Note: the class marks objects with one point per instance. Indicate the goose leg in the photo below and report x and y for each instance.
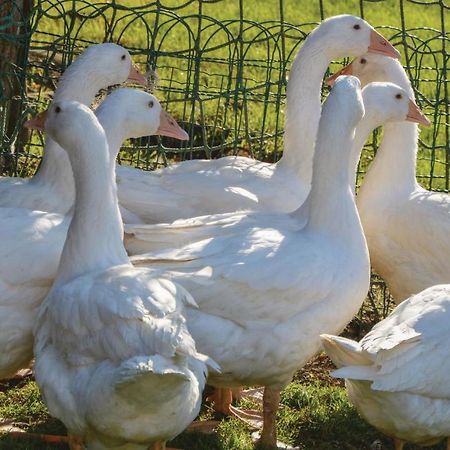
(47, 438)
(22, 373)
(161, 445)
(271, 401)
(448, 444)
(222, 399)
(203, 426)
(75, 442)
(253, 394)
(399, 444)
(268, 438)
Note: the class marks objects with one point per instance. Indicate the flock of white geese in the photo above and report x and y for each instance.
(131, 289)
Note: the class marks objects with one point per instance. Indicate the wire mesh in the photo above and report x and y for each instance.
(222, 69)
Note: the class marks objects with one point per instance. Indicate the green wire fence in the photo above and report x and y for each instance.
(220, 66)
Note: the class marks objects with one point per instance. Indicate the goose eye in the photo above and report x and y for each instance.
(399, 96)
(123, 57)
(150, 104)
(363, 60)
(356, 27)
(57, 110)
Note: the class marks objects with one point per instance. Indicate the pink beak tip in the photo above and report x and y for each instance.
(426, 122)
(397, 54)
(136, 76)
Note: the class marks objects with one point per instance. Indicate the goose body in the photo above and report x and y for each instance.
(114, 359)
(51, 189)
(383, 103)
(33, 240)
(397, 375)
(24, 281)
(407, 227)
(194, 188)
(267, 284)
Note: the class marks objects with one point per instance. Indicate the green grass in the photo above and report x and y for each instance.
(314, 415)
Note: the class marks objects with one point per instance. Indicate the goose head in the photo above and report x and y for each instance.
(130, 113)
(113, 57)
(346, 100)
(387, 102)
(372, 67)
(68, 123)
(352, 36)
(98, 67)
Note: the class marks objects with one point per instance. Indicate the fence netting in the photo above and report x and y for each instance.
(219, 66)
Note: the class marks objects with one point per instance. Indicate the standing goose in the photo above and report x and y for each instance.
(51, 189)
(113, 357)
(229, 184)
(269, 285)
(397, 376)
(407, 227)
(32, 241)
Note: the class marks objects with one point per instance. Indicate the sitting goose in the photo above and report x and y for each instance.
(197, 187)
(407, 227)
(397, 376)
(51, 189)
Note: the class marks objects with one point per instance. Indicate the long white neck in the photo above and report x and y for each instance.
(114, 133)
(393, 170)
(332, 209)
(303, 108)
(362, 133)
(94, 239)
(55, 168)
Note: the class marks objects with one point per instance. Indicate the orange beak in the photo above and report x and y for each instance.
(169, 127)
(347, 70)
(37, 122)
(416, 115)
(379, 45)
(136, 76)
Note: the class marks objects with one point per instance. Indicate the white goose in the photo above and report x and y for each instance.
(114, 359)
(51, 189)
(198, 187)
(407, 227)
(383, 103)
(397, 376)
(32, 241)
(268, 286)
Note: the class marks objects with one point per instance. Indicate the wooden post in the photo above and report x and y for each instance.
(15, 14)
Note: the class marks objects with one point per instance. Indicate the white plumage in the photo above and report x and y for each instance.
(51, 189)
(194, 188)
(32, 241)
(407, 227)
(114, 359)
(397, 376)
(268, 284)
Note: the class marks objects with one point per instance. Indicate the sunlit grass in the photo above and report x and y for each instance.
(314, 415)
